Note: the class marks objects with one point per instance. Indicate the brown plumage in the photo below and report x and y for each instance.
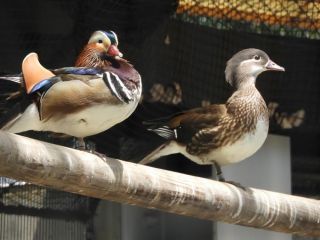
(227, 123)
(221, 134)
(101, 51)
(78, 94)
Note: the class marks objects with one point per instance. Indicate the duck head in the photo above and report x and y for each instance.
(245, 66)
(101, 50)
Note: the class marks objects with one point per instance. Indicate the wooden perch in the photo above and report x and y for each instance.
(83, 173)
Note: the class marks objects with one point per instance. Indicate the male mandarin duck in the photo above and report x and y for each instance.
(100, 52)
(101, 91)
(221, 134)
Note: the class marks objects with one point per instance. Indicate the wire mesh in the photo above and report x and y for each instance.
(285, 18)
(180, 49)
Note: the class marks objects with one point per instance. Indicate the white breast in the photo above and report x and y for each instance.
(92, 120)
(246, 146)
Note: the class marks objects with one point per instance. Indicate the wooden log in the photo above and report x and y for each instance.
(83, 173)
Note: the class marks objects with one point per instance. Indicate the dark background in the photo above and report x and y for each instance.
(165, 49)
(195, 58)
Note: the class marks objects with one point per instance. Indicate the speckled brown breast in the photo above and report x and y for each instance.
(244, 109)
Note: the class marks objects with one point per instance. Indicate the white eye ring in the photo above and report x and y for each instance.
(256, 57)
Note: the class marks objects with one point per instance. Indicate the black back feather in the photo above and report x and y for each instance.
(160, 126)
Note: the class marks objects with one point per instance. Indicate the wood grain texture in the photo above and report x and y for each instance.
(86, 174)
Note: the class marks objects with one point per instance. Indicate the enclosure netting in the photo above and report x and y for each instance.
(180, 49)
(285, 18)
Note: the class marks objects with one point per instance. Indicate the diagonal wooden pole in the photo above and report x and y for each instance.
(83, 173)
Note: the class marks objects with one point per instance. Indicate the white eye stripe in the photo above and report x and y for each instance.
(251, 67)
(248, 61)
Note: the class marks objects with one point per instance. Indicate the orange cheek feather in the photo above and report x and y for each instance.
(33, 71)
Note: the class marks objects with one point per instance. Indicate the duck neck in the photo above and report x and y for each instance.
(245, 83)
(89, 57)
(247, 100)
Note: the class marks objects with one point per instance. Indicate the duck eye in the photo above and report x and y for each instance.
(100, 41)
(256, 57)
